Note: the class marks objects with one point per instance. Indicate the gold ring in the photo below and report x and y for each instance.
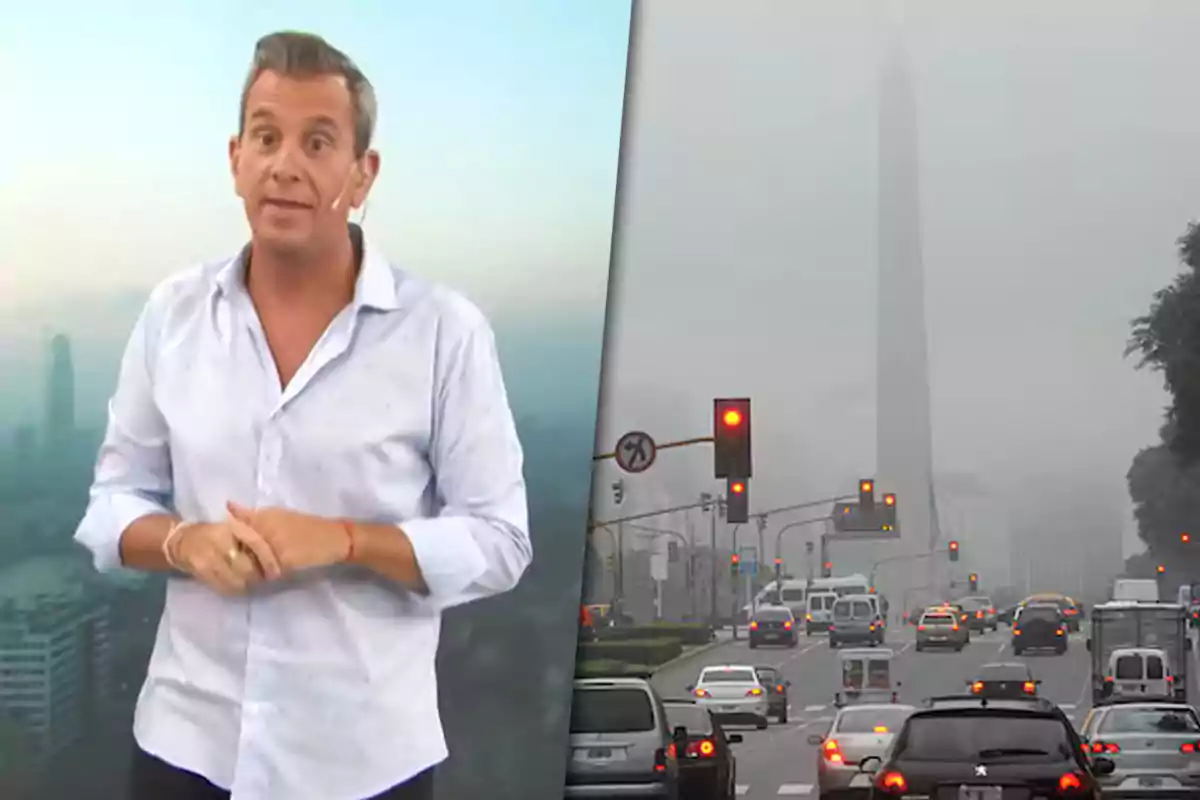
(232, 555)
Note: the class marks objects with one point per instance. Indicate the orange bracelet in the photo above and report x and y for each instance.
(348, 526)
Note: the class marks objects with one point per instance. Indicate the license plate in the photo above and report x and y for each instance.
(980, 793)
(600, 752)
(1149, 781)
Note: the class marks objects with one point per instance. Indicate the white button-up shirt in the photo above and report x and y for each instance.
(320, 685)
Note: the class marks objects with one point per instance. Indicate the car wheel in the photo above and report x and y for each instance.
(833, 643)
(762, 724)
(783, 718)
(920, 647)
(1017, 651)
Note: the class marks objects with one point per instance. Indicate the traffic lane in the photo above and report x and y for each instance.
(1066, 679)
(673, 680)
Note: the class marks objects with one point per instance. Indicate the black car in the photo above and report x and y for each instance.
(777, 691)
(990, 749)
(1012, 681)
(707, 768)
(773, 625)
(1039, 626)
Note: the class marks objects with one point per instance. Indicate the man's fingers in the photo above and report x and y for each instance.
(268, 562)
(222, 576)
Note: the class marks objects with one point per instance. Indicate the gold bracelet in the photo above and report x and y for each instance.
(166, 545)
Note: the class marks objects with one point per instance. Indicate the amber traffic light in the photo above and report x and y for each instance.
(866, 495)
(1162, 568)
(737, 501)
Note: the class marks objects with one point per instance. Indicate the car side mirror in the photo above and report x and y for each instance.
(815, 739)
(1103, 766)
(870, 764)
(734, 738)
(691, 687)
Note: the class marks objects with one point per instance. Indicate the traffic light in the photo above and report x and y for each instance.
(866, 495)
(1161, 568)
(954, 550)
(889, 512)
(827, 569)
(731, 438)
(778, 569)
(738, 501)
(973, 582)
(734, 564)
(1185, 537)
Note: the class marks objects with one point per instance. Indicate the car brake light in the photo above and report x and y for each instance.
(702, 693)
(1105, 747)
(779, 688)
(955, 627)
(701, 749)
(1030, 687)
(1069, 782)
(755, 692)
(1016, 631)
(977, 687)
(661, 756)
(920, 627)
(787, 625)
(1190, 747)
(831, 751)
(892, 782)
(991, 611)
(1058, 632)
(754, 626)
(872, 627)
(832, 628)
(808, 617)
(978, 615)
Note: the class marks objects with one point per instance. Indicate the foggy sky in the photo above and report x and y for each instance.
(1057, 157)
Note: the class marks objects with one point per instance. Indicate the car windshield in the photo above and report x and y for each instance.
(773, 614)
(697, 720)
(618, 710)
(1150, 720)
(1047, 613)
(872, 720)
(980, 736)
(767, 674)
(852, 609)
(728, 676)
(937, 619)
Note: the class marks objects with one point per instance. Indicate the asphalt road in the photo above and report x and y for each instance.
(780, 762)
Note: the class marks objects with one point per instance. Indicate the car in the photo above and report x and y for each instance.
(1152, 746)
(856, 618)
(773, 625)
(855, 733)
(960, 614)
(966, 747)
(621, 741)
(819, 612)
(777, 691)
(707, 766)
(1072, 612)
(981, 613)
(940, 628)
(1039, 626)
(1012, 680)
(734, 694)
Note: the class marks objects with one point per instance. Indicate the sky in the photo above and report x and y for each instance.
(499, 131)
(1056, 166)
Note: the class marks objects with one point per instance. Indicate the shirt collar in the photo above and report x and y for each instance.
(375, 287)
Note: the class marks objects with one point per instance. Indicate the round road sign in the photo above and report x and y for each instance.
(636, 452)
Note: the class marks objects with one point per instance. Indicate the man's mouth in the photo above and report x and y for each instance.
(290, 204)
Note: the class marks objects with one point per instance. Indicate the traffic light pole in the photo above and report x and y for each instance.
(712, 595)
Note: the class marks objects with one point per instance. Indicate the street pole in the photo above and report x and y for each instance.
(706, 498)
(620, 570)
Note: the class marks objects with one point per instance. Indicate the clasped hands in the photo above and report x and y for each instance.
(254, 545)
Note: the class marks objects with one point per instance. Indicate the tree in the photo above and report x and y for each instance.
(1167, 338)
(1166, 500)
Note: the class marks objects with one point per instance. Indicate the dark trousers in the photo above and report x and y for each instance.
(154, 779)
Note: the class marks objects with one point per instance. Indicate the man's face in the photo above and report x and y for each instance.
(294, 165)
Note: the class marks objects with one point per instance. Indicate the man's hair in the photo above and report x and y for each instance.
(305, 55)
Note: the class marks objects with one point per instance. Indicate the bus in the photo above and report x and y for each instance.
(793, 592)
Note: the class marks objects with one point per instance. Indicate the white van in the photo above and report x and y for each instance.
(819, 612)
(1139, 672)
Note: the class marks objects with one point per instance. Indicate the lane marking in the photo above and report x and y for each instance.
(742, 789)
(1001, 648)
(1066, 706)
(795, 788)
(814, 708)
(902, 649)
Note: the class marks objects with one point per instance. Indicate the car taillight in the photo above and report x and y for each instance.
(755, 692)
(955, 627)
(920, 627)
(1069, 782)
(661, 755)
(831, 751)
(779, 688)
(753, 626)
(832, 628)
(787, 625)
(1016, 631)
(977, 687)
(1030, 687)
(891, 782)
(1105, 747)
(808, 617)
(991, 611)
(1190, 747)
(872, 627)
(702, 693)
(701, 749)
(978, 615)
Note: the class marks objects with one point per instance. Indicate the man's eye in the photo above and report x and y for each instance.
(265, 139)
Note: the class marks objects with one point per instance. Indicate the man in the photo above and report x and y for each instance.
(319, 450)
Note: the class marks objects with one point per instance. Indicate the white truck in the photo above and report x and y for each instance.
(1132, 625)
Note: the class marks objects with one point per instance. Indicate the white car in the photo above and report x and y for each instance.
(733, 694)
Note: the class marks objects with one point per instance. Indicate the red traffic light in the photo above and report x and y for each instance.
(866, 486)
(974, 577)
(953, 545)
(1185, 537)
(889, 499)
(737, 487)
(828, 565)
(731, 418)
(735, 558)
(1162, 568)
(778, 561)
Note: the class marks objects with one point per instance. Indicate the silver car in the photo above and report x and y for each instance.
(1155, 746)
(620, 742)
(940, 628)
(857, 732)
(733, 694)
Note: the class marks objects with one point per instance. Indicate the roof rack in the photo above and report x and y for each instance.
(615, 675)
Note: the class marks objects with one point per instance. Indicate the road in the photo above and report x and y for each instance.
(780, 762)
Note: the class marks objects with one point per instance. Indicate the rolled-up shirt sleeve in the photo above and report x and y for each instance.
(133, 470)
(478, 545)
